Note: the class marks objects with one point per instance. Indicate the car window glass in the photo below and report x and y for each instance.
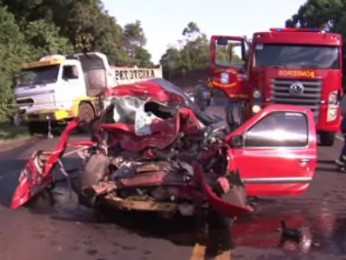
(282, 129)
(70, 72)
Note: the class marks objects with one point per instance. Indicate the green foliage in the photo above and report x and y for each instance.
(13, 51)
(8, 133)
(33, 28)
(45, 38)
(142, 57)
(134, 43)
(135, 34)
(324, 14)
(193, 53)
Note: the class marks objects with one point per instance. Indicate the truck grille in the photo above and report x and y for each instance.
(37, 102)
(25, 102)
(310, 97)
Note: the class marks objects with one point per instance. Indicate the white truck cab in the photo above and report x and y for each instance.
(58, 88)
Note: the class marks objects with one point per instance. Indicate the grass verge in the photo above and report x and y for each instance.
(10, 133)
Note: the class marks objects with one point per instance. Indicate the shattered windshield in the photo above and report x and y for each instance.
(41, 75)
(142, 112)
(298, 56)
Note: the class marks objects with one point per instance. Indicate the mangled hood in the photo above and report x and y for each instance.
(146, 103)
(139, 112)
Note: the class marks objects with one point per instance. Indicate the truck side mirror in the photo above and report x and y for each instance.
(237, 141)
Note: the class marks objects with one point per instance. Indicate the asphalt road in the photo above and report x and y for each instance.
(69, 231)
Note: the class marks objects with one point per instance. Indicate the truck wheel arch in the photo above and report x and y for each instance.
(86, 110)
(87, 103)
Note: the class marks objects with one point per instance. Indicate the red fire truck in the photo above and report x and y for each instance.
(282, 66)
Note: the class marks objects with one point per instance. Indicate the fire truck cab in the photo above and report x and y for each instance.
(282, 66)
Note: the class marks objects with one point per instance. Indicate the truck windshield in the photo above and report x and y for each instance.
(297, 56)
(40, 75)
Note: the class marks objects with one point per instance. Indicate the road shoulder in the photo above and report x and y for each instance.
(12, 144)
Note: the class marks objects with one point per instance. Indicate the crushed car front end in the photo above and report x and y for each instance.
(150, 150)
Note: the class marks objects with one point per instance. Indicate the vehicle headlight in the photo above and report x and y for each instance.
(224, 78)
(256, 109)
(256, 93)
(333, 97)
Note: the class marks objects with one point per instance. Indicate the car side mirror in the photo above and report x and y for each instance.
(237, 141)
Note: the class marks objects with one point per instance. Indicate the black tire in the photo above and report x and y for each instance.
(327, 138)
(42, 203)
(94, 170)
(87, 113)
(38, 128)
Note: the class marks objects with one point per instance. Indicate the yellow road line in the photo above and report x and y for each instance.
(226, 255)
(198, 252)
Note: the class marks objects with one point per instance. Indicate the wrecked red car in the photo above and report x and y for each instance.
(153, 149)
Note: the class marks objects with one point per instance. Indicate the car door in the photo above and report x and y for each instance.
(72, 82)
(275, 151)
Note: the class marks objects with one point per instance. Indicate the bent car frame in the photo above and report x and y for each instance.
(153, 149)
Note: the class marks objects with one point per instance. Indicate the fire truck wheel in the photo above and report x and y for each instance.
(327, 138)
(86, 112)
(42, 203)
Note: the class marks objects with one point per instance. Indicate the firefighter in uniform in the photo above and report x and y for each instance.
(228, 79)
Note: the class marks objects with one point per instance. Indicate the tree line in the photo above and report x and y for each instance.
(192, 51)
(31, 29)
(328, 15)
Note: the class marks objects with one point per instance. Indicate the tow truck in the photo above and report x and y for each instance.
(57, 88)
(293, 66)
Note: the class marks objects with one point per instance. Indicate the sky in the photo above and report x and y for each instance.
(163, 21)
